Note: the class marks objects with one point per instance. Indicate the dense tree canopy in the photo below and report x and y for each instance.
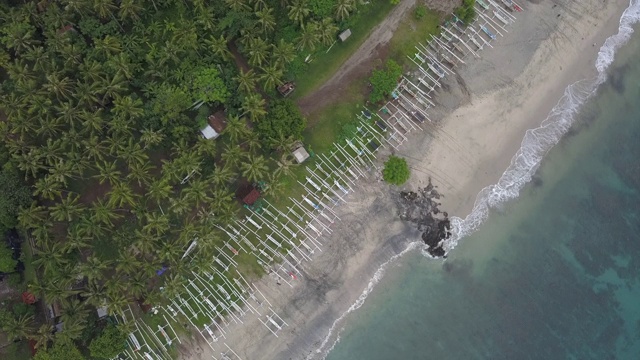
(384, 81)
(106, 168)
(63, 349)
(109, 344)
(396, 171)
(283, 120)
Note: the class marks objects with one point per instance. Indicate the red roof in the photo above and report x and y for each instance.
(251, 197)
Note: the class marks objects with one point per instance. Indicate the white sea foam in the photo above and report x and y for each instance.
(322, 351)
(537, 142)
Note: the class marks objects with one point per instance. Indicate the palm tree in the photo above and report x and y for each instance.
(121, 194)
(43, 336)
(50, 256)
(48, 188)
(29, 217)
(108, 172)
(237, 5)
(94, 149)
(75, 240)
(298, 10)
(157, 223)
(137, 285)
(236, 128)
(60, 87)
(67, 209)
(219, 47)
(253, 105)
(128, 263)
(282, 53)
(94, 294)
(258, 49)
(18, 328)
(30, 162)
(141, 172)
(343, 8)
(327, 31)
(73, 309)
(93, 268)
(159, 189)
(116, 301)
(309, 37)
(90, 226)
(92, 121)
(113, 87)
(197, 192)
(266, 20)
(246, 81)
(131, 10)
(103, 212)
(127, 107)
(252, 140)
(151, 138)
(254, 168)
(285, 167)
(271, 77)
(231, 155)
(275, 187)
(73, 328)
(144, 242)
(220, 176)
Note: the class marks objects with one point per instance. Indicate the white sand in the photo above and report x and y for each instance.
(483, 115)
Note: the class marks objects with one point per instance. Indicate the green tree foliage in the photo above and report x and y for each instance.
(7, 263)
(384, 81)
(109, 344)
(15, 192)
(396, 171)
(321, 8)
(209, 87)
(63, 349)
(466, 12)
(283, 120)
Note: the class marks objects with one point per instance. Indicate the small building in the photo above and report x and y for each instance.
(286, 88)
(345, 35)
(300, 154)
(102, 311)
(249, 195)
(215, 125)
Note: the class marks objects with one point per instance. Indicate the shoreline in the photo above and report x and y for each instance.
(480, 121)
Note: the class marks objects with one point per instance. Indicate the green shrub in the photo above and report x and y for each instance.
(396, 171)
(109, 344)
(420, 12)
(384, 81)
(283, 119)
(466, 12)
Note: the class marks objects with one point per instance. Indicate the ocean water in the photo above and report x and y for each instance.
(553, 274)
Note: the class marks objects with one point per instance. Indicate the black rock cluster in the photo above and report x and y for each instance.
(420, 208)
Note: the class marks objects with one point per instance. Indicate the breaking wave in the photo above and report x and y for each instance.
(322, 351)
(537, 142)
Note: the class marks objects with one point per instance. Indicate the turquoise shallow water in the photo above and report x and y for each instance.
(554, 274)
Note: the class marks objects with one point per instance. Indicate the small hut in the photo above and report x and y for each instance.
(286, 88)
(249, 195)
(300, 154)
(216, 123)
(344, 35)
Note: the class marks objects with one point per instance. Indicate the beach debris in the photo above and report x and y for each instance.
(421, 209)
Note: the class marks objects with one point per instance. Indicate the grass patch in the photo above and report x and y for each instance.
(327, 124)
(324, 65)
(410, 32)
(16, 351)
(30, 275)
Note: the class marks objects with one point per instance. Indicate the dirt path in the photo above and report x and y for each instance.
(363, 60)
(359, 64)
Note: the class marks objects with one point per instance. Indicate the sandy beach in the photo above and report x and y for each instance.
(481, 116)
